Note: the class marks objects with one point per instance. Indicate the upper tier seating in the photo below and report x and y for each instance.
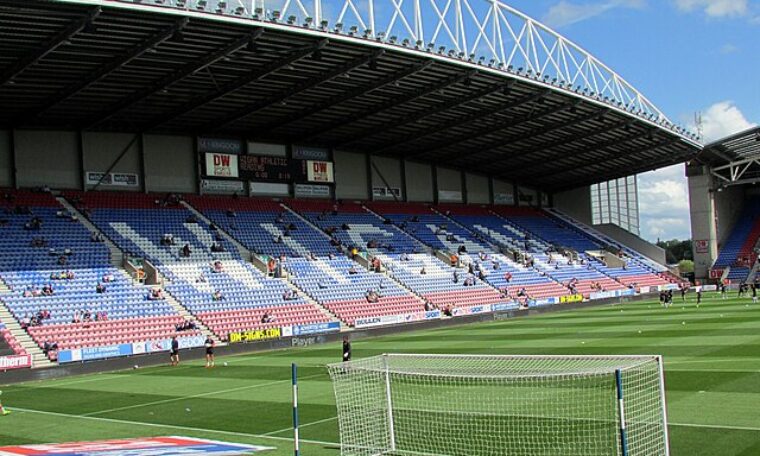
(548, 229)
(363, 227)
(431, 228)
(263, 226)
(495, 228)
(342, 286)
(438, 284)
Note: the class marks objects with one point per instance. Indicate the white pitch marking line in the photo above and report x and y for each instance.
(193, 396)
(170, 426)
(302, 425)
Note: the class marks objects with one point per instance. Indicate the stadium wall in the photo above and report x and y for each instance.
(169, 163)
(121, 152)
(351, 175)
(478, 191)
(6, 159)
(503, 192)
(386, 172)
(576, 203)
(419, 182)
(48, 158)
(449, 185)
(634, 242)
(703, 223)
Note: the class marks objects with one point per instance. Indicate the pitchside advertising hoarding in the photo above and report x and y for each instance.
(15, 362)
(115, 351)
(150, 446)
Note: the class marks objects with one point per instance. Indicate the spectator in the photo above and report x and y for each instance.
(277, 239)
(47, 290)
(191, 219)
(231, 213)
(108, 278)
(423, 271)
(167, 239)
(455, 277)
(267, 318)
(217, 296)
(38, 242)
(186, 251)
(155, 294)
(217, 247)
(217, 266)
(372, 296)
(201, 278)
(352, 270)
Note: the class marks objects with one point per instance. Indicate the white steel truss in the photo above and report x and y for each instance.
(484, 33)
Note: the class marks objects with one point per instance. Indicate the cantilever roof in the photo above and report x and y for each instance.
(124, 66)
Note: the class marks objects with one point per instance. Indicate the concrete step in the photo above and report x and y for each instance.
(187, 315)
(244, 252)
(117, 256)
(24, 339)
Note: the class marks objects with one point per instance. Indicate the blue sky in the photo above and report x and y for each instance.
(686, 56)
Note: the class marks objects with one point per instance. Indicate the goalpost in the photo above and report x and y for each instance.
(472, 405)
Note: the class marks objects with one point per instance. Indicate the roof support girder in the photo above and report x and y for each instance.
(427, 112)
(461, 121)
(500, 142)
(290, 92)
(239, 83)
(114, 65)
(175, 76)
(48, 46)
(390, 104)
(338, 99)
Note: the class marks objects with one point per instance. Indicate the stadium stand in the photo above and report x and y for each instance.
(9, 345)
(212, 281)
(263, 226)
(346, 289)
(353, 226)
(738, 251)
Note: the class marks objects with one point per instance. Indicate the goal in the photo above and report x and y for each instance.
(470, 405)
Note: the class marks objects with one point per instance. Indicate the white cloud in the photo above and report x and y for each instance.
(715, 8)
(664, 204)
(722, 119)
(566, 12)
(728, 48)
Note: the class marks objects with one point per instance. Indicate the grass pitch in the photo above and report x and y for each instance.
(712, 368)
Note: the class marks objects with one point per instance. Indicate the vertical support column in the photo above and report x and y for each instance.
(621, 412)
(294, 376)
(391, 431)
(661, 367)
(434, 170)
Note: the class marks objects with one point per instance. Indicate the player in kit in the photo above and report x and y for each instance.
(209, 351)
(346, 349)
(174, 354)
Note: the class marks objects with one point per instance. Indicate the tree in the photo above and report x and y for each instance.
(686, 266)
(676, 250)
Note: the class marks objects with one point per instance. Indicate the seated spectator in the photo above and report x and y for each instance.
(448, 310)
(462, 249)
(352, 270)
(68, 252)
(455, 277)
(100, 288)
(49, 347)
(267, 318)
(217, 266)
(217, 247)
(231, 213)
(423, 271)
(167, 239)
(321, 285)
(277, 239)
(70, 274)
(201, 278)
(372, 296)
(47, 290)
(26, 322)
(450, 238)
(312, 257)
(428, 306)
(107, 278)
(185, 251)
(345, 227)
(155, 295)
(217, 296)
(38, 242)
(191, 219)
(376, 265)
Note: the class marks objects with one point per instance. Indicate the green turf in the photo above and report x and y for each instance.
(712, 366)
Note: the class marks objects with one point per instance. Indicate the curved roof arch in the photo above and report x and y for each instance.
(486, 34)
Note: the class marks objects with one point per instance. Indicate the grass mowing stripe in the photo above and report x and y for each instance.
(193, 396)
(170, 426)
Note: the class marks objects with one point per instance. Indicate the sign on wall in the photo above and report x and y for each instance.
(254, 167)
(311, 191)
(310, 153)
(503, 198)
(112, 179)
(222, 165)
(221, 186)
(319, 171)
(701, 245)
(385, 192)
(220, 145)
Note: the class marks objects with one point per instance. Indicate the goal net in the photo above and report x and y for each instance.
(469, 405)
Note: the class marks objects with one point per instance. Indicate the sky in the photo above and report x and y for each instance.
(687, 57)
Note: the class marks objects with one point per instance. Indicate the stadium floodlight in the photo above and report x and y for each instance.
(430, 47)
(276, 15)
(393, 39)
(477, 405)
(441, 49)
(221, 6)
(405, 42)
(367, 33)
(257, 13)
(338, 27)
(201, 5)
(239, 10)
(352, 31)
(323, 25)
(307, 22)
(491, 62)
(291, 20)
(452, 52)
